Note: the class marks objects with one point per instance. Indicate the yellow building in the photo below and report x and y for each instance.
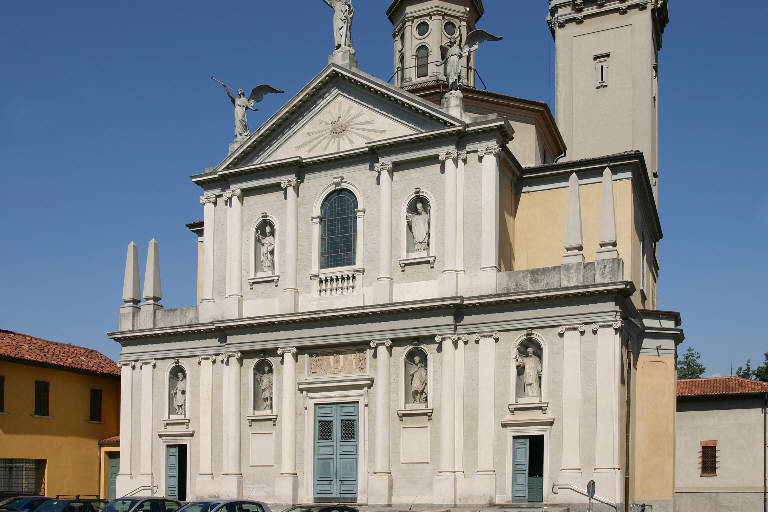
(57, 401)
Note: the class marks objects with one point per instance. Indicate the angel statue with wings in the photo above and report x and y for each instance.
(343, 12)
(243, 104)
(454, 52)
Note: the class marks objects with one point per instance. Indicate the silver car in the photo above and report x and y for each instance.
(225, 506)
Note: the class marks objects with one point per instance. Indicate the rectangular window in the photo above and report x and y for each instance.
(42, 389)
(22, 476)
(95, 405)
(709, 458)
(2, 393)
(601, 70)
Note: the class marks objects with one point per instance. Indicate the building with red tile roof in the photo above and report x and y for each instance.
(57, 402)
(719, 386)
(15, 346)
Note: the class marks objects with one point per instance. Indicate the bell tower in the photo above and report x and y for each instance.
(607, 81)
(420, 27)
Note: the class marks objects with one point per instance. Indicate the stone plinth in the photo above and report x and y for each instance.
(236, 143)
(453, 104)
(344, 57)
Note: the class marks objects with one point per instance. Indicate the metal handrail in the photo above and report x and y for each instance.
(583, 492)
(150, 488)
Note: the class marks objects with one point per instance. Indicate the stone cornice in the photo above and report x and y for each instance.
(623, 288)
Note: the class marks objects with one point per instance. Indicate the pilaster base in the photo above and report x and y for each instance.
(444, 489)
(608, 270)
(488, 280)
(479, 489)
(233, 306)
(147, 314)
(207, 487)
(289, 302)
(383, 290)
(126, 484)
(207, 311)
(380, 489)
(572, 274)
(287, 489)
(231, 486)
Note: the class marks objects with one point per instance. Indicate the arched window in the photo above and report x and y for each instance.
(416, 379)
(177, 392)
(263, 386)
(338, 233)
(422, 61)
(402, 68)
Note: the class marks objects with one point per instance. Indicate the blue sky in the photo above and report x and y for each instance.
(106, 108)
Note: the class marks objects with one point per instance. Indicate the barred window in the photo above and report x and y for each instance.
(22, 476)
(709, 458)
(422, 61)
(42, 390)
(95, 405)
(338, 237)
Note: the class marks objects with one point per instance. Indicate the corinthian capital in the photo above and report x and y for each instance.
(227, 356)
(290, 182)
(208, 199)
(383, 166)
(448, 155)
(286, 350)
(492, 150)
(233, 192)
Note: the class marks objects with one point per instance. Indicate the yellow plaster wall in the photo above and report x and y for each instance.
(540, 225)
(653, 432)
(508, 204)
(66, 439)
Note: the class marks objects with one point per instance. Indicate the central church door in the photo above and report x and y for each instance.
(336, 449)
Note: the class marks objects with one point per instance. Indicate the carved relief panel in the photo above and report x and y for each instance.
(337, 362)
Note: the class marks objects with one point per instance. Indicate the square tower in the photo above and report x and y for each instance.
(420, 28)
(606, 54)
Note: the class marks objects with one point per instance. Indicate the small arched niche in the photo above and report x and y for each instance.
(263, 387)
(177, 392)
(264, 242)
(416, 380)
(529, 359)
(418, 218)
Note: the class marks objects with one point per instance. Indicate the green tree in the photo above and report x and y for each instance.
(745, 372)
(690, 367)
(761, 372)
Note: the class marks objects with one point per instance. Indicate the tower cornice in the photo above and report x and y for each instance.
(396, 4)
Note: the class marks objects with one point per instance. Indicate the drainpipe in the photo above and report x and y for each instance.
(628, 428)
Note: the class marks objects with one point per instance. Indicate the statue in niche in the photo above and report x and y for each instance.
(529, 363)
(178, 392)
(266, 239)
(343, 12)
(418, 218)
(416, 365)
(264, 385)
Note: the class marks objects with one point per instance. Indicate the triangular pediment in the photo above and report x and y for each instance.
(339, 111)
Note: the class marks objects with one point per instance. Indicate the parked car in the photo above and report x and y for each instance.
(321, 508)
(143, 504)
(73, 504)
(225, 506)
(7, 499)
(25, 504)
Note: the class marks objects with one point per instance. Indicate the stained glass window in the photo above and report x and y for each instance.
(338, 224)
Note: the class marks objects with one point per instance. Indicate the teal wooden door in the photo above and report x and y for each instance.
(113, 469)
(336, 450)
(520, 452)
(172, 472)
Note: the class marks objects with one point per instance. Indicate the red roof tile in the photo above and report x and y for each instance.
(110, 440)
(23, 347)
(720, 386)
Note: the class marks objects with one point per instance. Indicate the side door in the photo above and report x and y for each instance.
(326, 485)
(520, 450)
(114, 469)
(347, 451)
(172, 472)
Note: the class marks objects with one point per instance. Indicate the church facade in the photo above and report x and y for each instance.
(420, 292)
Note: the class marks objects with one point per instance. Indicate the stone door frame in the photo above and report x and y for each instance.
(336, 392)
(521, 431)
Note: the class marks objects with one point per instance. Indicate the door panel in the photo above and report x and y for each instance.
(114, 469)
(336, 451)
(172, 472)
(520, 469)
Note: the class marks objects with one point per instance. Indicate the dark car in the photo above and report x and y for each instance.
(143, 504)
(225, 506)
(25, 503)
(73, 504)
